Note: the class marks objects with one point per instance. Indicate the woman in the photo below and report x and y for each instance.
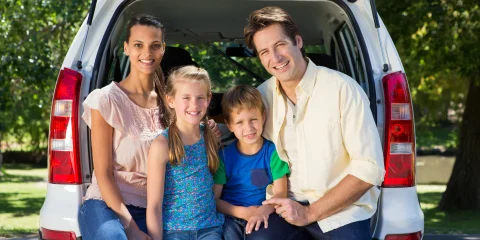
(124, 118)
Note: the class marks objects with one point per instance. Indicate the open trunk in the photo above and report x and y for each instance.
(210, 33)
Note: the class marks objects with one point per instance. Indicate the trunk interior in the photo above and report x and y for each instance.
(210, 34)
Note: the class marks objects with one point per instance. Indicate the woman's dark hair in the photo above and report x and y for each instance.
(145, 20)
(158, 78)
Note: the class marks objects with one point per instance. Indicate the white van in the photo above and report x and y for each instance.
(339, 34)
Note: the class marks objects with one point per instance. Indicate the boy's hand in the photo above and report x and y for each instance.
(260, 215)
(249, 212)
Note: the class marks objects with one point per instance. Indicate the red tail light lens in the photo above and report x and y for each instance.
(410, 236)
(399, 132)
(57, 235)
(63, 148)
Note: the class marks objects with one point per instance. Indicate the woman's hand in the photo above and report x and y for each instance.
(213, 125)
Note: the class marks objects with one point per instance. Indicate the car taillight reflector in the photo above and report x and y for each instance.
(399, 132)
(64, 165)
(57, 235)
(410, 236)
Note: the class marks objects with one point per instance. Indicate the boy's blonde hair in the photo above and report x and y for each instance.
(176, 150)
(241, 97)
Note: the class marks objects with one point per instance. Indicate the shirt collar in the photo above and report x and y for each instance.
(308, 80)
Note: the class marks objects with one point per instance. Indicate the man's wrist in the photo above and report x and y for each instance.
(310, 212)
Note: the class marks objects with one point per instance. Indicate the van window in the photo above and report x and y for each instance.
(223, 71)
(351, 63)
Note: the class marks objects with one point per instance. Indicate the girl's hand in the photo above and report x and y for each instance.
(213, 125)
(260, 215)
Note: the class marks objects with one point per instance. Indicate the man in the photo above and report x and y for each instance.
(321, 123)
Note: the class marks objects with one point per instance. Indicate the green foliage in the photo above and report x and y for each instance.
(224, 73)
(438, 43)
(35, 36)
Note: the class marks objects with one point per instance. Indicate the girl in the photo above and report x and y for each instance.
(124, 119)
(181, 162)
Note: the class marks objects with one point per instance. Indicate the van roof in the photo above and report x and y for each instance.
(215, 21)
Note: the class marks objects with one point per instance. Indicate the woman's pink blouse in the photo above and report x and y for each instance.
(134, 129)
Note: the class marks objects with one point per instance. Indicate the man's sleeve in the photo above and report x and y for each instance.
(360, 135)
(220, 176)
(278, 167)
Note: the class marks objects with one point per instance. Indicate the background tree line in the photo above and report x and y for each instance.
(437, 41)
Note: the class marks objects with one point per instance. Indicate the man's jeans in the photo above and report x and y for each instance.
(234, 229)
(98, 221)
(213, 233)
(356, 231)
(280, 229)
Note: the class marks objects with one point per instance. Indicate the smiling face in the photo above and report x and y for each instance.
(280, 56)
(190, 101)
(247, 125)
(145, 47)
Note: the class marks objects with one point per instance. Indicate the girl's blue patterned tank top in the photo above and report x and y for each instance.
(188, 202)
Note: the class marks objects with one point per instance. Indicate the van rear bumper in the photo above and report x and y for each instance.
(60, 208)
(399, 212)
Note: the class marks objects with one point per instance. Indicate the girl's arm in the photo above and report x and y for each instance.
(229, 209)
(102, 145)
(156, 166)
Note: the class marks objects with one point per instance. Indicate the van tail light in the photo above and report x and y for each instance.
(63, 148)
(57, 235)
(410, 236)
(399, 132)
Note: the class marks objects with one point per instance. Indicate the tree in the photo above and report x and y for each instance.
(438, 42)
(35, 36)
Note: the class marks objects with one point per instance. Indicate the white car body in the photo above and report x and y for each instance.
(398, 211)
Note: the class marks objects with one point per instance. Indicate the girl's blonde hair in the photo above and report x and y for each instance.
(176, 150)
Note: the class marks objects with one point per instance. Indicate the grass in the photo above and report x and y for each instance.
(441, 222)
(22, 191)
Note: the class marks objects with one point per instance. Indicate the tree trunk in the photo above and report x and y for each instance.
(463, 188)
(1, 155)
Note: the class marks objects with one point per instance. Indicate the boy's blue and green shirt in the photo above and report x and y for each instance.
(245, 177)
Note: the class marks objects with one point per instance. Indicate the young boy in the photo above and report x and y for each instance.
(247, 166)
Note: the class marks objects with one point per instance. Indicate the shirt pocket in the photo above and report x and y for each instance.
(259, 177)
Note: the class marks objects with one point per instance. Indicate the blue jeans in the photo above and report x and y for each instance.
(280, 229)
(356, 231)
(234, 228)
(98, 221)
(213, 233)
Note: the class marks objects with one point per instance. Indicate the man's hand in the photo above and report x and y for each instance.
(260, 215)
(212, 125)
(292, 211)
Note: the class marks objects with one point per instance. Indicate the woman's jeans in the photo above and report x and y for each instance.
(213, 233)
(98, 221)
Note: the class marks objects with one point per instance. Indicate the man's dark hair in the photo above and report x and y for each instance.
(262, 18)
